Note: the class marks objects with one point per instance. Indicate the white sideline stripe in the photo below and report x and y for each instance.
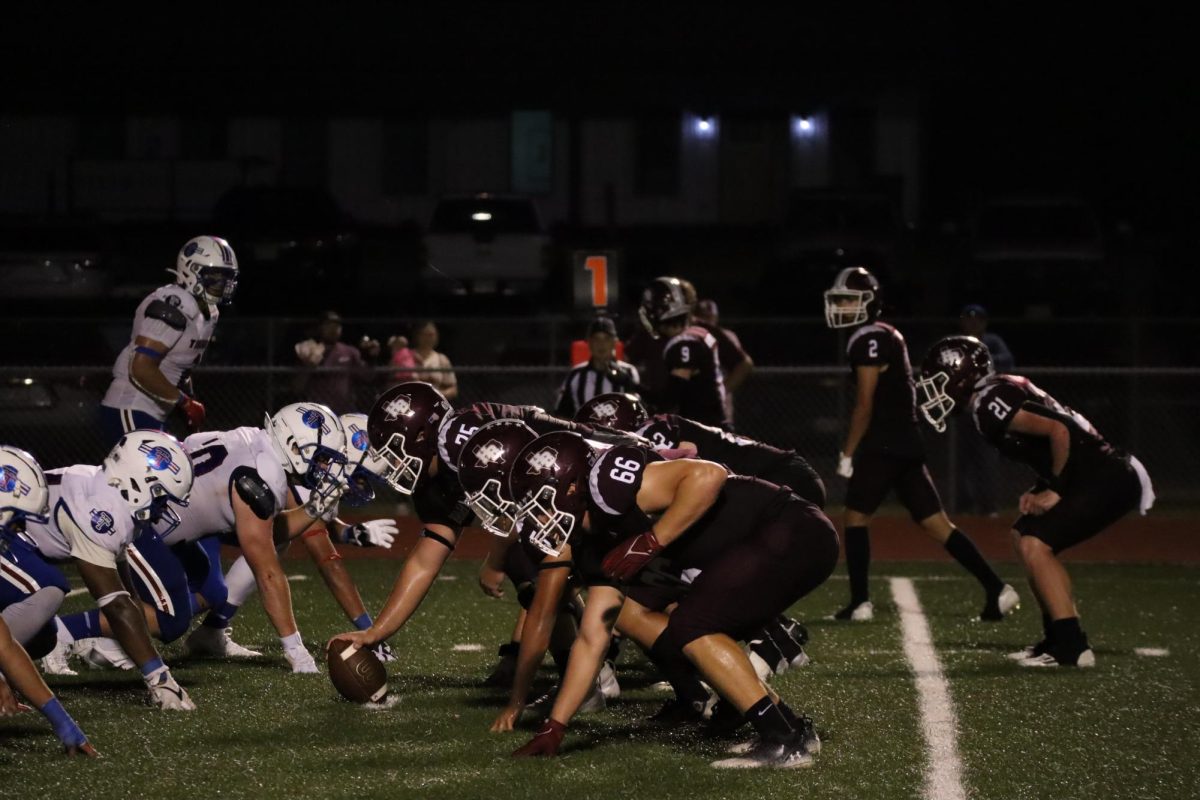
(467, 648)
(297, 578)
(943, 775)
(1152, 651)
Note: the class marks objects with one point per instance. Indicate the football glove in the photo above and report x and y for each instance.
(193, 411)
(165, 693)
(384, 652)
(376, 533)
(845, 466)
(301, 660)
(627, 558)
(545, 742)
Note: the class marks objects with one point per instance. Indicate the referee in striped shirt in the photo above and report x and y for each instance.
(600, 374)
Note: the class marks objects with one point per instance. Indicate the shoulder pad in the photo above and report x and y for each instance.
(616, 477)
(254, 492)
(166, 312)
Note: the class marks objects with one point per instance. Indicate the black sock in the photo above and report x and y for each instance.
(789, 715)
(509, 650)
(678, 671)
(858, 561)
(966, 553)
(614, 648)
(560, 657)
(1047, 628)
(769, 721)
(1067, 632)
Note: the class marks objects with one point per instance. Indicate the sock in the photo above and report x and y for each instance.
(220, 617)
(678, 671)
(789, 715)
(83, 625)
(362, 621)
(858, 562)
(967, 554)
(769, 721)
(1047, 628)
(1067, 632)
(64, 727)
(510, 650)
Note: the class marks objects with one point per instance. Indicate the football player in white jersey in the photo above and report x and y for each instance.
(242, 485)
(363, 467)
(95, 514)
(171, 329)
(25, 496)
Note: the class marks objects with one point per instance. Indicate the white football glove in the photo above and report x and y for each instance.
(845, 466)
(299, 657)
(376, 533)
(384, 652)
(165, 693)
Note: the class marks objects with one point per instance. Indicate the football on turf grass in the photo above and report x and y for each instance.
(356, 673)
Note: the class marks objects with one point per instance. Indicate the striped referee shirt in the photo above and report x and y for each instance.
(584, 382)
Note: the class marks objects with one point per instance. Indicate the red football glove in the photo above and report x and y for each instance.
(193, 410)
(545, 742)
(627, 559)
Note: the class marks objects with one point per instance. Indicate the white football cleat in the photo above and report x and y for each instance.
(101, 652)
(1009, 600)
(216, 642)
(55, 662)
(863, 612)
(608, 682)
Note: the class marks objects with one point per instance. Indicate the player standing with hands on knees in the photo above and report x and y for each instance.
(883, 448)
(171, 329)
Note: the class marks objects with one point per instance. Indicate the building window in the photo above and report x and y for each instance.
(405, 157)
(656, 155)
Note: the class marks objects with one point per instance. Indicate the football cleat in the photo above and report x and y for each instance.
(1029, 651)
(857, 612)
(216, 643)
(808, 735)
(1000, 606)
(1061, 657)
(541, 708)
(55, 662)
(790, 753)
(102, 653)
(765, 658)
(607, 681)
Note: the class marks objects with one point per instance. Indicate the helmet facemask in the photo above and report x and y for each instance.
(551, 528)
(405, 470)
(845, 308)
(934, 401)
(218, 284)
(495, 514)
(324, 476)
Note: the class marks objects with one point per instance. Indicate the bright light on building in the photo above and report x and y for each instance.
(481, 216)
(705, 127)
(804, 127)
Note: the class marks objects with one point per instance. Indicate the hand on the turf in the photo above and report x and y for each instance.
(165, 693)
(374, 533)
(491, 580)
(545, 742)
(9, 705)
(506, 720)
(627, 558)
(86, 750)
(384, 652)
(845, 466)
(301, 660)
(1039, 503)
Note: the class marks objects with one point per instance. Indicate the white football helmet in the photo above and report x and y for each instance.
(207, 267)
(150, 469)
(362, 463)
(23, 492)
(310, 443)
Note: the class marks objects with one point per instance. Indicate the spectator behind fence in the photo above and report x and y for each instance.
(600, 374)
(335, 389)
(424, 354)
(977, 459)
(736, 364)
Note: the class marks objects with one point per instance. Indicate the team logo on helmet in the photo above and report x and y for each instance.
(190, 249)
(359, 439)
(604, 411)
(312, 418)
(159, 458)
(398, 407)
(951, 358)
(490, 452)
(102, 521)
(10, 483)
(542, 461)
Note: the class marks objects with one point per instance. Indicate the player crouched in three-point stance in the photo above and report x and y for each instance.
(95, 515)
(1084, 484)
(171, 329)
(759, 546)
(883, 449)
(25, 496)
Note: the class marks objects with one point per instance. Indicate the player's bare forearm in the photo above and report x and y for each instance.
(18, 668)
(418, 574)
(146, 376)
(336, 576)
(276, 595)
(587, 654)
(535, 634)
(683, 490)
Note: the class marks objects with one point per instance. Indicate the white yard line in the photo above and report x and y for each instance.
(943, 774)
(467, 648)
(1152, 652)
(74, 592)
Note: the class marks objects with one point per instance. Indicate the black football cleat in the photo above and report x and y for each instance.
(1000, 605)
(789, 753)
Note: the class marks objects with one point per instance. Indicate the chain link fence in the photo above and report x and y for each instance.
(52, 412)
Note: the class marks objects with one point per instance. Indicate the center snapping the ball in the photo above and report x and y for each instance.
(356, 673)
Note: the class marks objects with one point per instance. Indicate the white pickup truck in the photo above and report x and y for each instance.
(485, 244)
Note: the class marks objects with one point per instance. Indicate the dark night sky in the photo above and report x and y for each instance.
(1099, 106)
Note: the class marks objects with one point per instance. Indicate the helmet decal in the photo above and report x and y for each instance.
(190, 249)
(490, 452)
(313, 419)
(359, 440)
(542, 461)
(950, 358)
(159, 458)
(604, 410)
(400, 406)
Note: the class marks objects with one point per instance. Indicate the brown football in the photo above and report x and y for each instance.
(356, 673)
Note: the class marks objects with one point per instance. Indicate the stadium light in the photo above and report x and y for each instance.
(481, 216)
(705, 127)
(804, 127)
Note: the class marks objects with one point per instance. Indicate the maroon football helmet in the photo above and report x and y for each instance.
(484, 463)
(403, 427)
(853, 299)
(666, 299)
(617, 410)
(549, 484)
(949, 374)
